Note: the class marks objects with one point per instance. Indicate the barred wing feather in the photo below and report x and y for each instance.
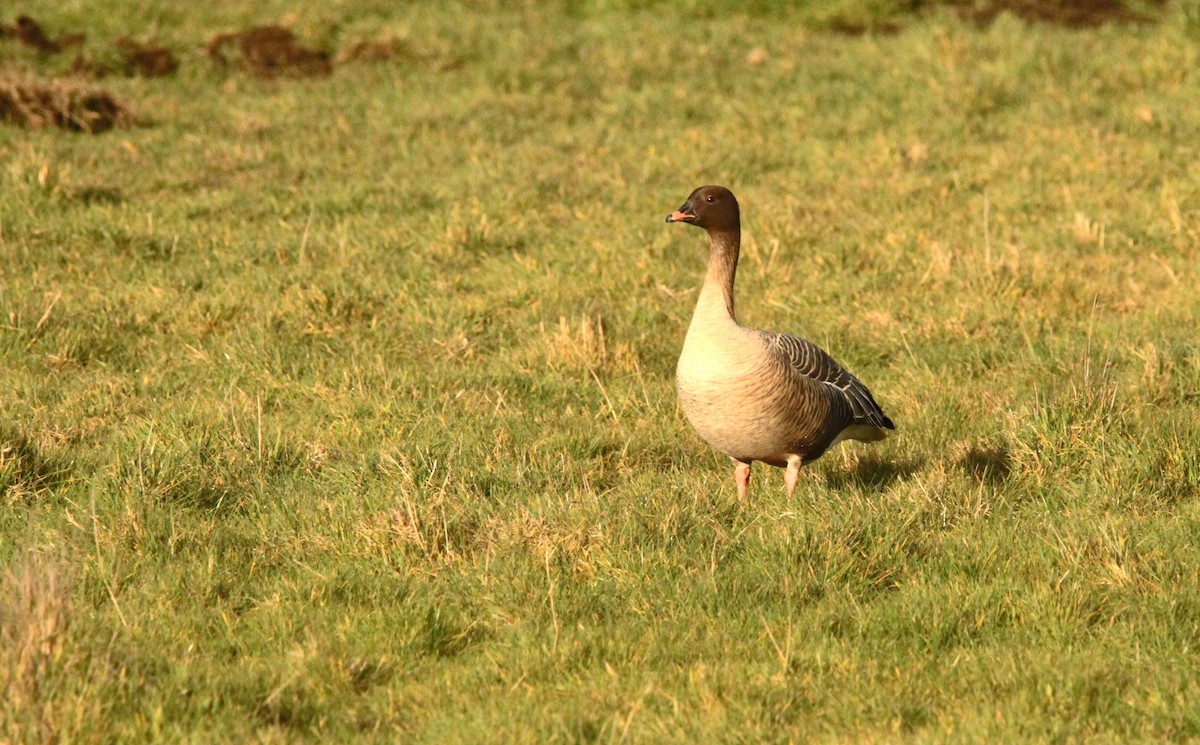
(811, 361)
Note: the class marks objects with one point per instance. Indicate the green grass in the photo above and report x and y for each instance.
(343, 409)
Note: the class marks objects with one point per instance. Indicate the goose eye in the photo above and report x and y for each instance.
(710, 199)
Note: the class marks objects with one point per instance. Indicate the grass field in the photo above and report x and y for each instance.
(342, 408)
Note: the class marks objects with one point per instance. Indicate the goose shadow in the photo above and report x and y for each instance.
(873, 472)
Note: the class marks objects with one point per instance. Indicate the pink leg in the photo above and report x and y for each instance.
(741, 476)
(793, 472)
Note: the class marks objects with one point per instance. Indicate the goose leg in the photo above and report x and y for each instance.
(741, 476)
(793, 472)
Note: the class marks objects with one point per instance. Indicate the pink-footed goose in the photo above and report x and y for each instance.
(760, 395)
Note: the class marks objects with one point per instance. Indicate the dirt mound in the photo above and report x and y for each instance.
(146, 61)
(1076, 14)
(268, 52)
(137, 58)
(61, 104)
(30, 33)
(1068, 13)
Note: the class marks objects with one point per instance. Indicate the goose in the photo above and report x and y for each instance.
(760, 395)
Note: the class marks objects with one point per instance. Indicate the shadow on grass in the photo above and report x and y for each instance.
(25, 469)
(873, 472)
(990, 465)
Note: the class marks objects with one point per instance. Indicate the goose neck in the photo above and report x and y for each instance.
(723, 248)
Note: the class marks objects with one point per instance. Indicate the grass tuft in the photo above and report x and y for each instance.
(47, 678)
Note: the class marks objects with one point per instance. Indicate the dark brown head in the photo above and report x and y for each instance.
(711, 208)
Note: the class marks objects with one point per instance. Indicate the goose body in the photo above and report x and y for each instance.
(760, 395)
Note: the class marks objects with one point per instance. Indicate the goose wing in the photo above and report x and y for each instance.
(809, 360)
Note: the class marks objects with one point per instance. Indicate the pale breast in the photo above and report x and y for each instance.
(738, 398)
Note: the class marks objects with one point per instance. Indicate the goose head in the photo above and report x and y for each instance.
(711, 208)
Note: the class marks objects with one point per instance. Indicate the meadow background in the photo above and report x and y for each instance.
(341, 408)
